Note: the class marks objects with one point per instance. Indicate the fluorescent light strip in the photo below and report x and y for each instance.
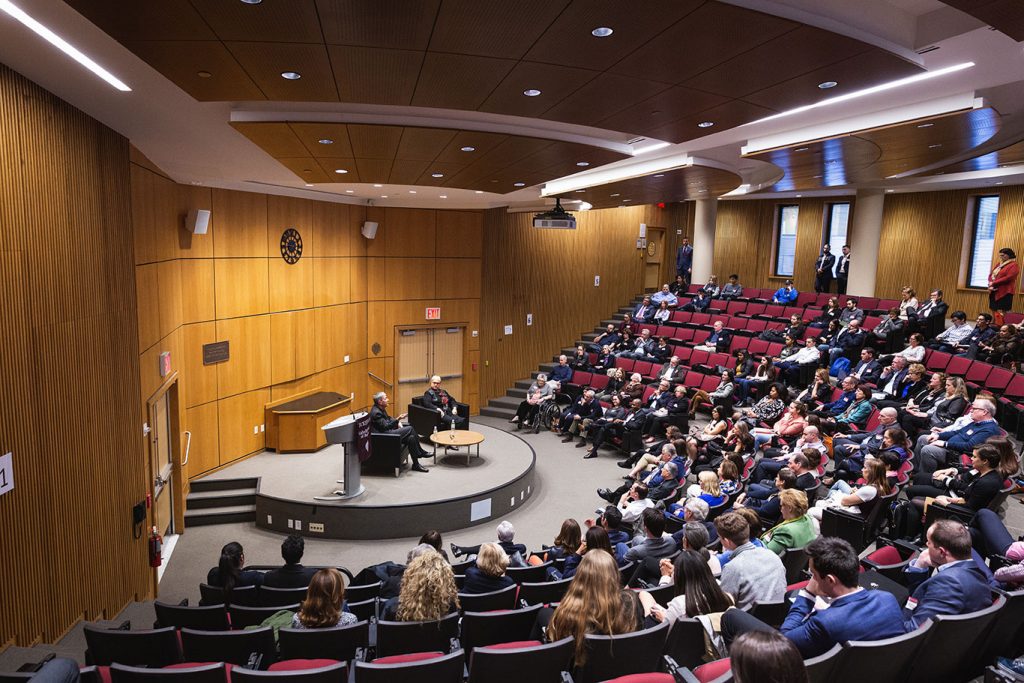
(650, 148)
(603, 176)
(61, 44)
(869, 91)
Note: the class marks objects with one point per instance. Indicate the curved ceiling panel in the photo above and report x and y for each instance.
(688, 182)
(1007, 156)
(403, 155)
(667, 66)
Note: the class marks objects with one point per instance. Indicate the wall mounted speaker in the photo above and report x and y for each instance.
(369, 230)
(198, 221)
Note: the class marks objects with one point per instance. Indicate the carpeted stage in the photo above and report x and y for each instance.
(453, 495)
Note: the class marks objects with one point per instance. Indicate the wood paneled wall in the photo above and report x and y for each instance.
(550, 273)
(69, 373)
(922, 238)
(325, 321)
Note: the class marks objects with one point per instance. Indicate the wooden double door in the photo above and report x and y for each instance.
(422, 352)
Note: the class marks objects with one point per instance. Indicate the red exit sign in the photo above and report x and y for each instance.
(434, 313)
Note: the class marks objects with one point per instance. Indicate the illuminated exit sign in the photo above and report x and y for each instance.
(434, 313)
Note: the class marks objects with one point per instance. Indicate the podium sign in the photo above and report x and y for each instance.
(353, 433)
(363, 437)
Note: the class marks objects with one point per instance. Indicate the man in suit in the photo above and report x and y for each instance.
(700, 302)
(982, 333)
(291, 574)
(643, 346)
(655, 543)
(935, 450)
(929, 316)
(823, 270)
(851, 337)
(891, 379)
(644, 312)
(718, 340)
(382, 423)
(867, 368)
(857, 445)
(838, 406)
(843, 271)
(958, 585)
(852, 614)
(684, 260)
(578, 416)
(671, 371)
(447, 407)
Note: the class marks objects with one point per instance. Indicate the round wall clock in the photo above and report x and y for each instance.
(291, 245)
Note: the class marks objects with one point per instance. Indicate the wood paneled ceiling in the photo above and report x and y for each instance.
(879, 153)
(405, 155)
(1007, 156)
(1006, 16)
(669, 65)
(689, 182)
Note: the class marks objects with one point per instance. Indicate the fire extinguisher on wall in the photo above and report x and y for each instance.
(156, 546)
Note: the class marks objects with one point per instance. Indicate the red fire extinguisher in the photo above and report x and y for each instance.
(156, 546)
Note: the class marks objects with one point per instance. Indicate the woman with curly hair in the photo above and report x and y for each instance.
(322, 606)
(596, 603)
(428, 590)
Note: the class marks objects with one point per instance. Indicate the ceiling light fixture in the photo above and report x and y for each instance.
(650, 148)
(615, 194)
(309, 184)
(925, 125)
(252, 2)
(326, 141)
(531, 92)
(377, 185)
(639, 168)
(827, 84)
(583, 163)
(936, 145)
(518, 184)
(349, 191)
(468, 149)
(705, 124)
(444, 196)
(899, 83)
(659, 175)
(61, 44)
(204, 74)
(437, 175)
(581, 190)
(479, 192)
(291, 75)
(341, 170)
(602, 32)
(801, 149)
(412, 191)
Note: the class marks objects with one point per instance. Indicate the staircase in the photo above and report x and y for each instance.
(505, 406)
(221, 501)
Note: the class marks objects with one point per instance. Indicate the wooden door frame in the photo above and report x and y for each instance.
(177, 489)
(433, 325)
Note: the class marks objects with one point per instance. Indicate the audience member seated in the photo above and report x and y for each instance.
(661, 351)
(852, 613)
(627, 340)
(896, 390)
(718, 340)
(671, 371)
(642, 347)
(662, 315)
(855, 415)
(565, 543)
(829, 312)
(850, 497)
(732, 289)
(795, 328)
(743, 365)
(764, 375)
(707, 489)
(616, 383)
(789, 348)
(615, 422)
(229, 573)
(609, 337)
(915, 350)
(786, 295)
(538, 393)
(659, 420)
(800, 463)
(1002, 349)
(655, 542)
(806, 357)
(716, 428)
(719, 396)
(930, 314)
(908, 303)
(506, 540)
(850, 313)
(291, 574)
(849, 338)
(322, 607)
(647, 463)
(819, 391)
(433, 539)
(696, 512)
(578, 417)
(596, 540)
(738, 446)
(628, 324)
(679, 286)
(660, 484)
(769, 408)
(891, 324)
(982, 334)
(769, 508)
(580, 361)
(854, 452)
(937, 449)
(753, 574)
(562, 373)
(700, 302)
(664, 296)
(950, 338)
(644, 311)
(796, 528)
(990, 537)
(633, 505)
(428, 591)
(711, 286)
(488, 574)
(957, 586)
(634, 389)
(767, 655)
(939, 408)
(867, 370)
(696, 593)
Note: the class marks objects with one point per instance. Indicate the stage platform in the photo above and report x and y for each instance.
(453, 495)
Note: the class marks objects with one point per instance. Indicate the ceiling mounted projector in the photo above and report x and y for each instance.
(557, 218)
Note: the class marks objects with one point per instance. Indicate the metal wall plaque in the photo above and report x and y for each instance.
(217, 352)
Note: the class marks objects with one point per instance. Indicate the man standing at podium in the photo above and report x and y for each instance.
(382, 423)
(440, 400)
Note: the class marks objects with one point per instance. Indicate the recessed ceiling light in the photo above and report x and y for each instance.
(377, 185)
(602, 32)
(437, 175)
(890, 190)
(581, 190)
(412, 191)
(925, 125)
(531, 92)
(627, 200)
(309, 184)
(252, 2)
(801, 149)
(479, 191)
(817, 176)
(937, 144)
(583, 163)
(204, 74)
(1000, 182)
(444, 196)
(349, 191)
(326, 141)
(706, 191)
(518, 184)
(291, 75)
(467, 148)
(659, 175)
(705, 124)
(615, 195)
(341, 170)
(383, 196)
(798, 196)
(827, 84)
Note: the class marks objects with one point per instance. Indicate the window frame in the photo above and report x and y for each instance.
(777, 241)
(826, 230)
(971, 239)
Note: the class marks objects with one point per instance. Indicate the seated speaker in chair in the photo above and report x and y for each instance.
(447, 407)
(382, 423)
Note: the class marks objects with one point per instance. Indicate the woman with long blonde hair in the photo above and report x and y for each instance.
(595, 603)
(428, 589)
(322, 606)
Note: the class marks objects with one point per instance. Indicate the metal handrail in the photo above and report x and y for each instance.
(381, 380)
(188, 447)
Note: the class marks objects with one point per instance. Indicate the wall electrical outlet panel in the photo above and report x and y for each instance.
(298, 525)
(255, 429)
(316, 528)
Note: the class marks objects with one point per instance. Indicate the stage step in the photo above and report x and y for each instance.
(221, 501)
(222, 484)
(506, 402)
(211, 499)
(227, 514)
(500, 413)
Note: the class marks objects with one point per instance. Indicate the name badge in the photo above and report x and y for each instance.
(969, 432)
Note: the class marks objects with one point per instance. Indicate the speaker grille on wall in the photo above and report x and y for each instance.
(369, 230)
(198, 221)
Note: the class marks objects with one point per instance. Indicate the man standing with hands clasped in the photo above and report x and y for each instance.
(684, 260)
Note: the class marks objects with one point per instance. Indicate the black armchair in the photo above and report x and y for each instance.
(387, 453)
(424, 419)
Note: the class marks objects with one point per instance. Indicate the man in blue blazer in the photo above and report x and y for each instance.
(853, 613)
(934, 451)
(958, 585)
(838, 406)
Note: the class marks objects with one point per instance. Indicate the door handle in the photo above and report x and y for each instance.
(188, 447)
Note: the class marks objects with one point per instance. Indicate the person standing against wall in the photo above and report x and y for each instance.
(1002, 283)
(684, 260)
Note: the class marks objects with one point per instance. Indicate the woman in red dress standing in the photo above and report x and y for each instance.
(1002, 282)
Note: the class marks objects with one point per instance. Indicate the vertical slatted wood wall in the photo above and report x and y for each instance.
(69, 373)
(550, 273)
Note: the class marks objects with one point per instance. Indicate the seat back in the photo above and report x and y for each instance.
(365, 610)
(242, 616)
(332, 673)
(280, 597)
(598, 381)
(541, 664)
(643, 367)
(628, 653)
(340, 642)
(543, 592)
(771, 613)
(685, 642)
(1003, 638)
(445, 669)
(403, 637)
(206, 673)
(485, 602)
(480, 629)
(214, 595)
(890, 657)
(581, 378)
(958, 366)
(956, 636)
(820, 668)
(795, 562)
(998, 379)
(156, 648)
(937, 361)
(209, 618)
(533, 573)
(232, 647)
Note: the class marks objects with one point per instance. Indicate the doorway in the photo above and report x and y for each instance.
(421, 352)
(654, 258)
(163, 455)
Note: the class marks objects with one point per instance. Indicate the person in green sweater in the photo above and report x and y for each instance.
(796, 529)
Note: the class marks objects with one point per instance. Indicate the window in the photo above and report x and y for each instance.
(836, 227)
(983, 239)
(785, 239)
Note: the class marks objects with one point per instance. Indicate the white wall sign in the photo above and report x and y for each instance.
(508, 329)
(6, 473)
(597, 280)
(529, 318)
